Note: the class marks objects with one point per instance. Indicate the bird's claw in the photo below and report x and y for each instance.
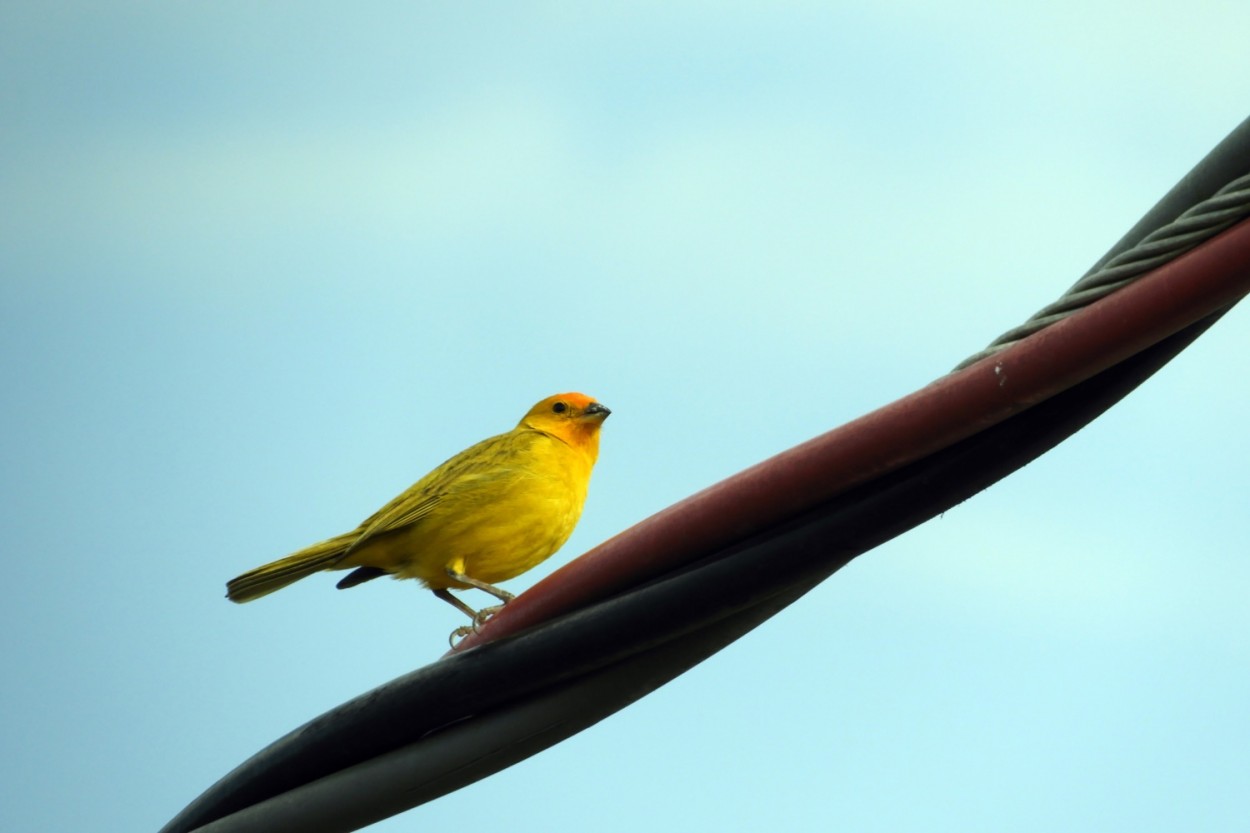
(484, 614)
(459, 633)
(478, 620)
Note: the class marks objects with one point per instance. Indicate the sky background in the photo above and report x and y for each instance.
(263, 265)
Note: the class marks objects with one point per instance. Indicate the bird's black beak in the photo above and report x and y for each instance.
(596, 408)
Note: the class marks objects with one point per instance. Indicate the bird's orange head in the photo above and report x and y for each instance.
(573, 418)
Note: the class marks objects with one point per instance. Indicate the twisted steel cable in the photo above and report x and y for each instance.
(1195, 225)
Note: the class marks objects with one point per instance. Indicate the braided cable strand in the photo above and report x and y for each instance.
(1226, 207)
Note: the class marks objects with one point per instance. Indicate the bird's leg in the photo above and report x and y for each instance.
(478, 616)
(485, 613)
(502, 595)
(445, 594)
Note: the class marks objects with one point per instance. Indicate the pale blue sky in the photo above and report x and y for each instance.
(264, 265)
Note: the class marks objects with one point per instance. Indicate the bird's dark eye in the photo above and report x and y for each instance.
(559, 407)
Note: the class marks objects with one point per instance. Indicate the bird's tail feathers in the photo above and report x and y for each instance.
(278, 574)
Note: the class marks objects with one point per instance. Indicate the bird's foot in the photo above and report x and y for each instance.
(479, 619)
(484, 614)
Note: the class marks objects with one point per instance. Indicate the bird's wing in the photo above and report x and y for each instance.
(404, 510)
(471, 467)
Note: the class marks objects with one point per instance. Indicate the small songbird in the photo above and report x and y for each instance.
(488, 514)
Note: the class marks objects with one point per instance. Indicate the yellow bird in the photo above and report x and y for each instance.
(488, 514)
